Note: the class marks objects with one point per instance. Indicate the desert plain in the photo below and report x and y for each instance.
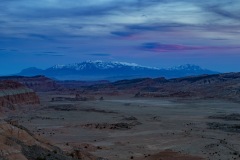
(120, 127)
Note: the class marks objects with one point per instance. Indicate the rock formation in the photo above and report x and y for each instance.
(219, 86)
(13, 93)
(37, 83)
(17, 142)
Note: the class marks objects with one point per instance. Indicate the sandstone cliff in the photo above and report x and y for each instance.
(37, 83)
(13, 93)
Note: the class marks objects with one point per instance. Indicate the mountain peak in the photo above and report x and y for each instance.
(98, 64)
(114, 70)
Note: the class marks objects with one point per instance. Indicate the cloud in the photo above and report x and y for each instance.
(133, 30)
(50, 13)
(220, 39)
(224, 9)
(225, 13)
(123, 34)
(40, 36)
(154, 26)
(55, 54)
(50, 52)
(117, 25)
(46, 9)
(100, 54)
(158, 47)
(46, 19)
(2, 22)
(8, 51)
(64, 48)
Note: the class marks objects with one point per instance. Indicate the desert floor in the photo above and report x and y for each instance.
(124, 127)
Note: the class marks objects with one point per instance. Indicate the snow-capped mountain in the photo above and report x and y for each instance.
(97, 70)
(100, 65)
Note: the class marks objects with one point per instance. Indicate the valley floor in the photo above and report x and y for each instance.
(124, 127)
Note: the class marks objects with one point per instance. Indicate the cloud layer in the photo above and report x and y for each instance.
(158, 47)
(117, 30)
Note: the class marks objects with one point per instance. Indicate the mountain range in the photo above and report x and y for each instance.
(100, 70)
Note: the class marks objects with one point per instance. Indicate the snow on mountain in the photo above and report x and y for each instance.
(99, 70)
(101, 65)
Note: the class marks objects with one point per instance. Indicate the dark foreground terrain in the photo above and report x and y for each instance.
(125, 127)
(126, 120)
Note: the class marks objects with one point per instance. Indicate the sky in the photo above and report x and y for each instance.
(159, 33)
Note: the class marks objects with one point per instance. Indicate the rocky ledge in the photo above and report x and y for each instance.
(13, 93)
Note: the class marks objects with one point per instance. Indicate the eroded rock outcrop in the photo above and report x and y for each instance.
(18, 143)
(13, 93)
(37, 83)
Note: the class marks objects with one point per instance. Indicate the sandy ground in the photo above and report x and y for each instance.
(123, 127)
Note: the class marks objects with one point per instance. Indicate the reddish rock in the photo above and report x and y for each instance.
(14, 93)
(37, 83)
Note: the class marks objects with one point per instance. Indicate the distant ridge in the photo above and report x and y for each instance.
(215, 86)
(100, 70)
(225, 86)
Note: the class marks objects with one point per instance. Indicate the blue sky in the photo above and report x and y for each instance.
(161, 33)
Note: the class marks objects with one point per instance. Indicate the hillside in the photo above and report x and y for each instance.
(222, 86)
